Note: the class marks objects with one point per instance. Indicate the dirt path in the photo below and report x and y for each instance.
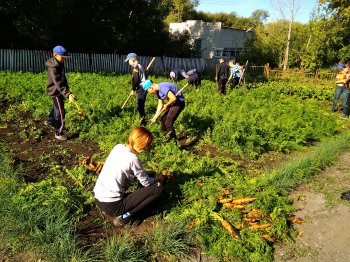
(325, 235)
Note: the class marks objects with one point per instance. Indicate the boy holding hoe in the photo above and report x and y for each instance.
(138, 77)
(122, 166)
(57, 88)
(235, 73)
(170, 111)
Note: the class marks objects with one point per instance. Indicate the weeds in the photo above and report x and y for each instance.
(270, 117)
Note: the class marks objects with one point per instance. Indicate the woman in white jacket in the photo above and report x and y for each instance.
(121, 167)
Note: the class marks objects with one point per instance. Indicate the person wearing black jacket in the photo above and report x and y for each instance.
(177, 75)
(222, 74)
(138, 77)
(57, 88)
(192, 76)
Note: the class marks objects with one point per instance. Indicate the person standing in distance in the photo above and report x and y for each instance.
(57, 88)
(222, 74)
(138, 77)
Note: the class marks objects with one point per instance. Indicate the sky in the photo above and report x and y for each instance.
(244, 8)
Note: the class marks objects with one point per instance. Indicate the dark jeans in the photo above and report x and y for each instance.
(222, 85)
(195, 80)
(347, 111)
(340, 91)
(57, 114)
(234, 82)
(169, 118)
(140, 102)
(134, 203)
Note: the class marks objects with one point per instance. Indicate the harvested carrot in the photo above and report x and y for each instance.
(296, 220)
(89, 164)
(231, 205)
(259, 226)
(269, 238)
(224, 200)
(227, 225)
(99, 166)
(249, 219)
(256, 213)
(245, 200)
(192, 224)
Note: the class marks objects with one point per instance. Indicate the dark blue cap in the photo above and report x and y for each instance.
(61, 51)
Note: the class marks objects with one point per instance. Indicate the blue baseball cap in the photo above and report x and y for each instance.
(61, 51)
(146, 84)
(129, 56)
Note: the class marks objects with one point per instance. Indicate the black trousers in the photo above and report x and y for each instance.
(222, 85)
(234, 82)
(140, 102)
(347, 111)
(169, 118)
(195, 80)
(57, 114)
(134, 203)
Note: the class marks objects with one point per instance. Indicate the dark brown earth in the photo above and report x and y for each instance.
(323, 237)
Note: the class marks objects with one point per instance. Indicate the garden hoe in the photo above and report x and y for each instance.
(80, 111)
(132, 92)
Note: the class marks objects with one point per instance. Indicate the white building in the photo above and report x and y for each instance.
(214, 39)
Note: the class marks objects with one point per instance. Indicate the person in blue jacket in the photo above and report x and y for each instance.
(169, 111)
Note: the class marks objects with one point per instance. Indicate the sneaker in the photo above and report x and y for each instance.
(119, 221)
(60, 137)
(344, 117)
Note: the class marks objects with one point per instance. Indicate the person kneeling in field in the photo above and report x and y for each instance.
(121, 167)
(172, 109)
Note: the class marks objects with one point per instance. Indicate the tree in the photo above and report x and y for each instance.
(178, 9)
(293, 8)
(259, 16)
(338, 20)
(85, 25)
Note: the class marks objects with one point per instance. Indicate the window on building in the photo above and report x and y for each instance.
(198, 44)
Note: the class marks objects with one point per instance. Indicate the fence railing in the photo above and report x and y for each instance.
(34, 61)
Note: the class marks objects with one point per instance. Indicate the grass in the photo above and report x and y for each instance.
(39, 218)
(301, 169)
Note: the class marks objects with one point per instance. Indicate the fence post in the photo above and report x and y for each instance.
(267, 71)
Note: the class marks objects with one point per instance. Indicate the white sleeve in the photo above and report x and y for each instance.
(140, 174)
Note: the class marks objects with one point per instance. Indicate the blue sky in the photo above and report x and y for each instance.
(244, 8)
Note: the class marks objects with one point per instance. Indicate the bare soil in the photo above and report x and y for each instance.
(325, 235)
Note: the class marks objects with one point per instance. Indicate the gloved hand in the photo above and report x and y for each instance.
(71, 98)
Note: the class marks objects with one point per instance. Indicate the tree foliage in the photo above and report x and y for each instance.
(85, 26)
(338, 23)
